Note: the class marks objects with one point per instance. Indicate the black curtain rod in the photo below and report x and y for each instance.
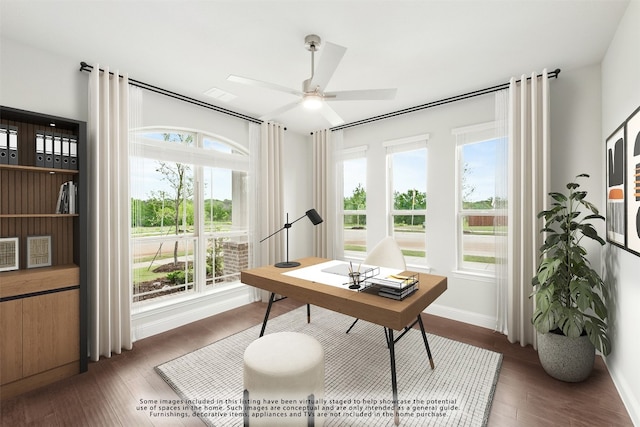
(86, 67)
(553, 74)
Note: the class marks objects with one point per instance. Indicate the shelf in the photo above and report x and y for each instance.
(44, 309)
(30, 280)
(38, 215)
(38, 169)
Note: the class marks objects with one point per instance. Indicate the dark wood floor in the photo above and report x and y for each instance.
(107, 395)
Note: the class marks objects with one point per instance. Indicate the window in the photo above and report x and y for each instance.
(354, 214)
(481, 210)
(188, 213)
(407, 181)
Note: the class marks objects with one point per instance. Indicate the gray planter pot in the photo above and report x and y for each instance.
(564, 358)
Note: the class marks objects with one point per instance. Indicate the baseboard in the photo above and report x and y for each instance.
(626, 394)
(158, 319)
(464, 316)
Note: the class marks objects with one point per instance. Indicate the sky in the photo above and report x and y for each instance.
(481, 163)
(479, 157)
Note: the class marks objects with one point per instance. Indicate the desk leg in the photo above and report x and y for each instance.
(394, 381)
(354, 324)
(266, 315)
(308, 313)
(426, 343)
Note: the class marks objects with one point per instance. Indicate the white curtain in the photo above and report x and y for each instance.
(271, 193)
(528, 172)
(324, 190)
(108, 205)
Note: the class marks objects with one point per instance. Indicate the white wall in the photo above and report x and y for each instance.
(36, 80)
(298, 190)
(576, 144)
(620, 97)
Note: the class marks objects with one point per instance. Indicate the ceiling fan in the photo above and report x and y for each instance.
(313, 95)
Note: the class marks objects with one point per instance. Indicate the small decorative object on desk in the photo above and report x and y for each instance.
(355, 280)
(394, 286)
(9, 254)
(38, 251)
(357, 276)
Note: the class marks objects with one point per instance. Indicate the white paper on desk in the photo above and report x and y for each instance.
(315, 273)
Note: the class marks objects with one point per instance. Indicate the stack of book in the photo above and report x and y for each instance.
(395, 286)
(67, 198)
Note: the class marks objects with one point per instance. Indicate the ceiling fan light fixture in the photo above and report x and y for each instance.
(312, 102)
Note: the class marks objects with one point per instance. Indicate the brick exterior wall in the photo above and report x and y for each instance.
(236, 258)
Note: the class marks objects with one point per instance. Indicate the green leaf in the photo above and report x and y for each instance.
(548, 268)
(590, 232)
(572, 186)
(594, 216)
(571, 322)
(579, 195)
(581, 293)
(591, 207)
(597, 332)
(558, 196)
(545, 316)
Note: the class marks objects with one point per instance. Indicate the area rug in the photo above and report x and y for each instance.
(459, 391)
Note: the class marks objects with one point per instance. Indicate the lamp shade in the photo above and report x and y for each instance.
(314, 216)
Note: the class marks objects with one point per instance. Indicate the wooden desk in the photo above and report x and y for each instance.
(389, 313)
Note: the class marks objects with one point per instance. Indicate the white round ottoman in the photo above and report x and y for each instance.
(284, 380)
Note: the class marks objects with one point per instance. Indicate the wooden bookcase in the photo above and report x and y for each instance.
(43, 310)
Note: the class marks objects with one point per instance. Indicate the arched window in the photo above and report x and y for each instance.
(189, 219)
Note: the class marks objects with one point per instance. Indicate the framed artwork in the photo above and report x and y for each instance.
(38, 251)
(615, 188)
(9, 253)
(632, 190)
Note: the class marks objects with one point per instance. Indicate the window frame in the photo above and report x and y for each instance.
(474, 134)
(354, 153)
(403, 145)
(198, 157)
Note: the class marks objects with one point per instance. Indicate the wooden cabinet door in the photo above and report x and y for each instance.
(11, 341)
(51, 336)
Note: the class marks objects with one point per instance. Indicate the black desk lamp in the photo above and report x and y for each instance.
(314, 217)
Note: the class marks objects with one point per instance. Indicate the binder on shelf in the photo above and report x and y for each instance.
(4, 145)
(57, 151)
(40, 148)
(48, 149)
(13, 145)
(65, 152)
(73, 152)
(67, 198)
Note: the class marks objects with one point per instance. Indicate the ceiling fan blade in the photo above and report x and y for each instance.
(329, 113)
(280, 110)
(266, 85)
(361, 95)
(330, 58)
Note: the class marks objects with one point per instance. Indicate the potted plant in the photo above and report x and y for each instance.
(570, 310)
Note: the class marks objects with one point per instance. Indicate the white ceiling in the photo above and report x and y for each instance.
(429, 50)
